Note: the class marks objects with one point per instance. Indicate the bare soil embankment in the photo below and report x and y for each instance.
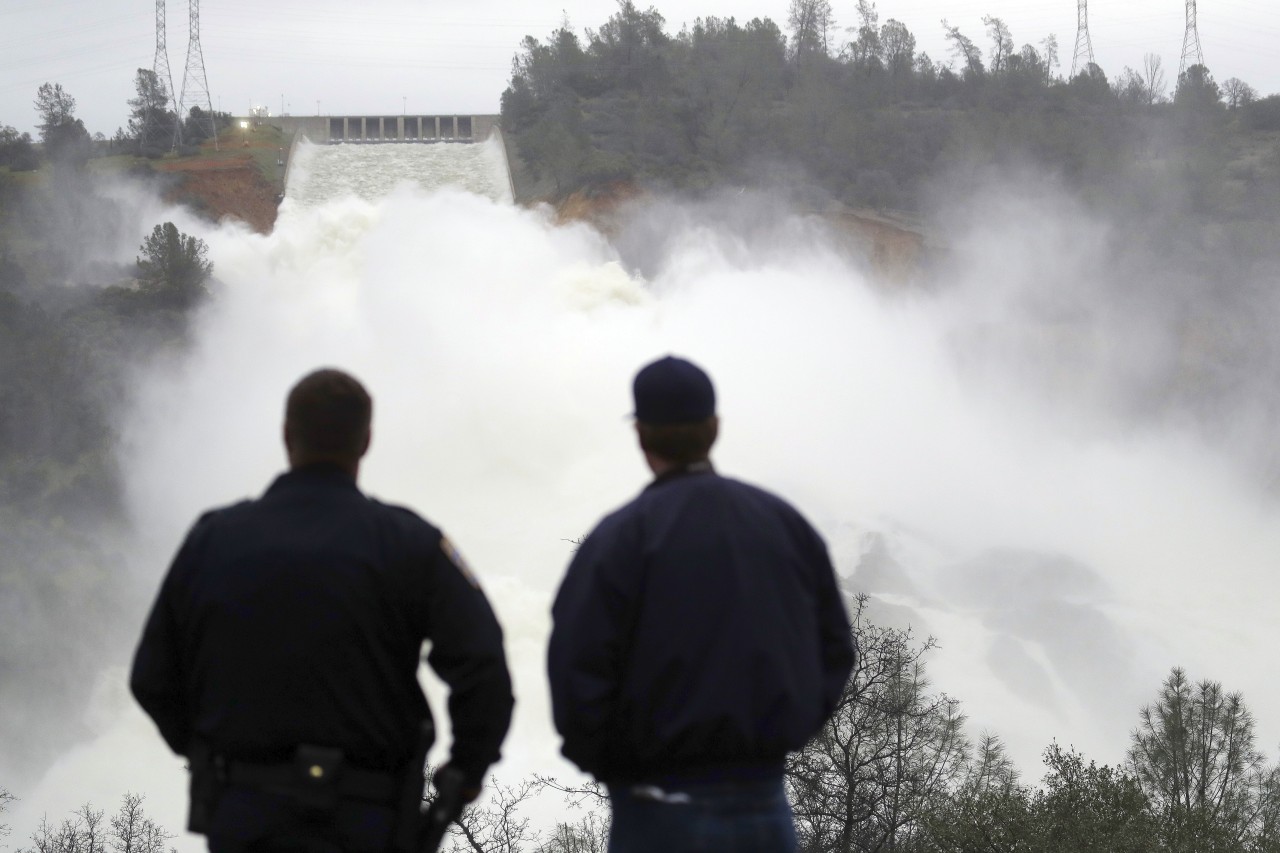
(224, 189)
(241, 179)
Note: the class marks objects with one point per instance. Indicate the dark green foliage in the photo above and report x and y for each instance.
(1090, 809)
(70, 342)
(870, 124)
(17, 151)
(174, 267)
(1263, 114)
(1197, 91)
(66, 141)
(201, 125)
(1194, 757)
(893, 770)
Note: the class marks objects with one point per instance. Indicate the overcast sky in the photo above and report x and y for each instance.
(447, 56)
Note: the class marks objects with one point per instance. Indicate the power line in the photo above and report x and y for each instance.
(1191, 52)
(153, 126)
(194, 76)
(1083, 57)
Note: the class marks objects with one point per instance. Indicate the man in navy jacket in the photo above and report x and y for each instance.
(281, 654)
(699, 636)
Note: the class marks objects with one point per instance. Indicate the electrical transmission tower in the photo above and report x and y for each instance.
(153, 130)
(1191, 52)
(193, 78)
(1084, 45)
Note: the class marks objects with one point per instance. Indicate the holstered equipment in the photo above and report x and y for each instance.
(315, 781)
(412, 781)
(208, 778)
(447, 807)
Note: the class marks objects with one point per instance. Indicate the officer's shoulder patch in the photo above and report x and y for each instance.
(455, 556)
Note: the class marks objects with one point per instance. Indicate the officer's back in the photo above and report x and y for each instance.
(291, 625)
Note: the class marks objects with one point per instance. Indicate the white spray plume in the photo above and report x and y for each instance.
(1064, 570)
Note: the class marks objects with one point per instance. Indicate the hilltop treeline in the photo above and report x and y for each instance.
(870, 120)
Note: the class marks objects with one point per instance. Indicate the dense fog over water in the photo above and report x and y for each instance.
(959, 446)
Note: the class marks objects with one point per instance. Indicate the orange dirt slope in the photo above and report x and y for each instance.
(224, 188)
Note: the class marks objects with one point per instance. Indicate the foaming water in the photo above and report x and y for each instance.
(1063, 572)
(323, 173)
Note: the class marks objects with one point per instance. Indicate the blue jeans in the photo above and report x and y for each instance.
(748, 817)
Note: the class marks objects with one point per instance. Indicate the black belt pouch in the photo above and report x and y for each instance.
(318, 770)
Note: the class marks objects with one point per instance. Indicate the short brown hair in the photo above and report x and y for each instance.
(328, 414)
(681, 444)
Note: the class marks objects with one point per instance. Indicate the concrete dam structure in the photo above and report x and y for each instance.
(385, 129)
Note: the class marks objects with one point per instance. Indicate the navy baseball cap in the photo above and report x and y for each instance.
(673, 391)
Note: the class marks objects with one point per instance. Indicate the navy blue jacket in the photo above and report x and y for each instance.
(299, 617)
(699, 630)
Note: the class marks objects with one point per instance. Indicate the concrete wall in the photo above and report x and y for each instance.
(408, 128)
(376, 129)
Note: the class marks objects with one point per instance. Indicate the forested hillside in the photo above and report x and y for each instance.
(1180, 173)
(857, 111)
(73, 328)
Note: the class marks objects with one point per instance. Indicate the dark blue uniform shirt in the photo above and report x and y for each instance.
(299, 618)
(699, 631)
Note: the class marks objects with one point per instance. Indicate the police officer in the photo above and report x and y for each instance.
(281, 654)
(699, 636)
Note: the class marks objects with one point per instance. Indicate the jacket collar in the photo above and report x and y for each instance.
(323, 475)
(702, 467)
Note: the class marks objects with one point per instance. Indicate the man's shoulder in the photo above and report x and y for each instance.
(730, 487)
(612, 525)
(214, 516)
(403, 517)
(760, 493)
(761, 500)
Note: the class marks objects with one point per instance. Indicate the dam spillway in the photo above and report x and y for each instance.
(319, 173)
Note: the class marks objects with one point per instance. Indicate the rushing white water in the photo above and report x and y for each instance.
(1064, 570)
(321, 174)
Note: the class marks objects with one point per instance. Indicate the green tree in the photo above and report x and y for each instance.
(201, 124)
(1090, 809)
(1193, 754)
(729, 76)
(811, 23)
(1049, 50)
(899, 47)
(988, 812)
(174, 266)
(627, 50)
(867, 50)
(1197, 92)
(151, 122)
(1001, 43)
(963, 49)
(1091, 85)
(17, 151)
(66, 141)
(55, 107)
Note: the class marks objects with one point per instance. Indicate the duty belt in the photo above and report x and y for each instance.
(347, 781)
